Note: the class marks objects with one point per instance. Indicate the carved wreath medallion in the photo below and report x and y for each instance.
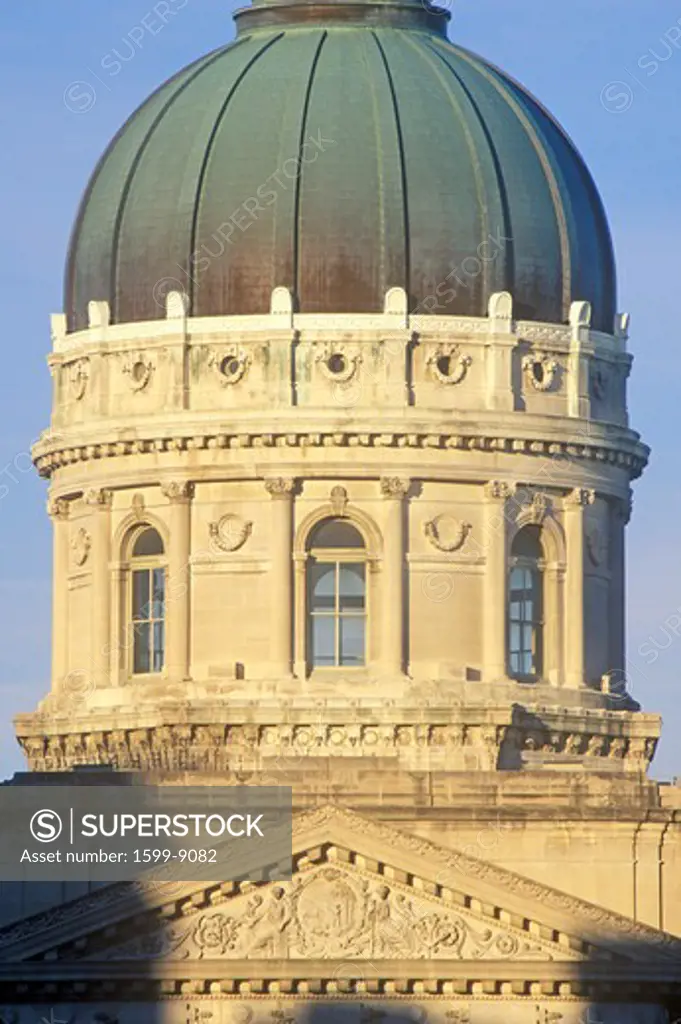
(78, 377)
(446, 533)
(448, 365)
(338, 362)
(541, 371)
(81, 542)
(139, 370)
(596, 546)
(599, 382)
(230, 532)
(230, 365)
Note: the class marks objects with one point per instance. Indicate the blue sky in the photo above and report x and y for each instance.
(610, 71)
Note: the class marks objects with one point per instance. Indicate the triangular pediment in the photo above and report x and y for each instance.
(360, 890)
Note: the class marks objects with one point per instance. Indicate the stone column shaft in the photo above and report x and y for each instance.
(575, 504)
(495, 587)
(58, 510)
(281, 580)
(179, 494)
(100, 502)
(394, 491)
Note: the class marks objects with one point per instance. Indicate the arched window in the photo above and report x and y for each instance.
(336, 596)
(526, 606)
(147, 602)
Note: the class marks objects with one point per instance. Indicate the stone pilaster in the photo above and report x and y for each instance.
(281, 491)
(619, 513)
(179, 494)
(99, 501)
(394, 491)
(495, 586)
(575, 504)
(58, 510)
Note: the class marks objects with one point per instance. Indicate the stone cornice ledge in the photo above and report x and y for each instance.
(615, 446)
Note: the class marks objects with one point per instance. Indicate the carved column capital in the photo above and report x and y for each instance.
(580, 497)
(177, 490)
(98, 497)
(280, 487)
(498, 490)
(58, 508)
(394, 487)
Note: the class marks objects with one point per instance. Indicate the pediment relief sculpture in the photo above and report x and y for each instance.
(334, 912)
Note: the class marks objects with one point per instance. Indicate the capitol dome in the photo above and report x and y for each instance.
(339, 150)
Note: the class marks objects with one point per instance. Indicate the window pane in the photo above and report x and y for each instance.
(323, 640)
(140, 594)
(158, 583)
(148, 543)
(352, 640)
(141, 654)
(336, 533)
(323, 587)
(159, 648)
(351, 587)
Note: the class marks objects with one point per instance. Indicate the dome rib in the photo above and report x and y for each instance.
(508, 263)
(201, 178)
(297, 206)
(425, 53)
(127, 188)
(403, 172)
(489, 73)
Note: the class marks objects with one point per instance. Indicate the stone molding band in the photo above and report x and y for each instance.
(47, 458)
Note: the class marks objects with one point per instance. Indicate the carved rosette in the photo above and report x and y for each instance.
(280, 487)
(394, 487)
(230, 365)
(447, 364)
(230, 532)
(81, 542)
(541, 371)
(446, 533)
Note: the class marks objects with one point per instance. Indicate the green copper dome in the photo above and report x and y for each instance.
(341, 149)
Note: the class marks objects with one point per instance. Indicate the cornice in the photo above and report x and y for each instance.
(624, 451)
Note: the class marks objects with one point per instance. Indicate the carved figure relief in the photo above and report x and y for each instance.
(230, 532)
(448, 365)
(81, 542)
(332, 913)
(230, 366)
(541, 371)
(446, 533)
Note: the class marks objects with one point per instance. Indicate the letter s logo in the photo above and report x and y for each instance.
(46, 826)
